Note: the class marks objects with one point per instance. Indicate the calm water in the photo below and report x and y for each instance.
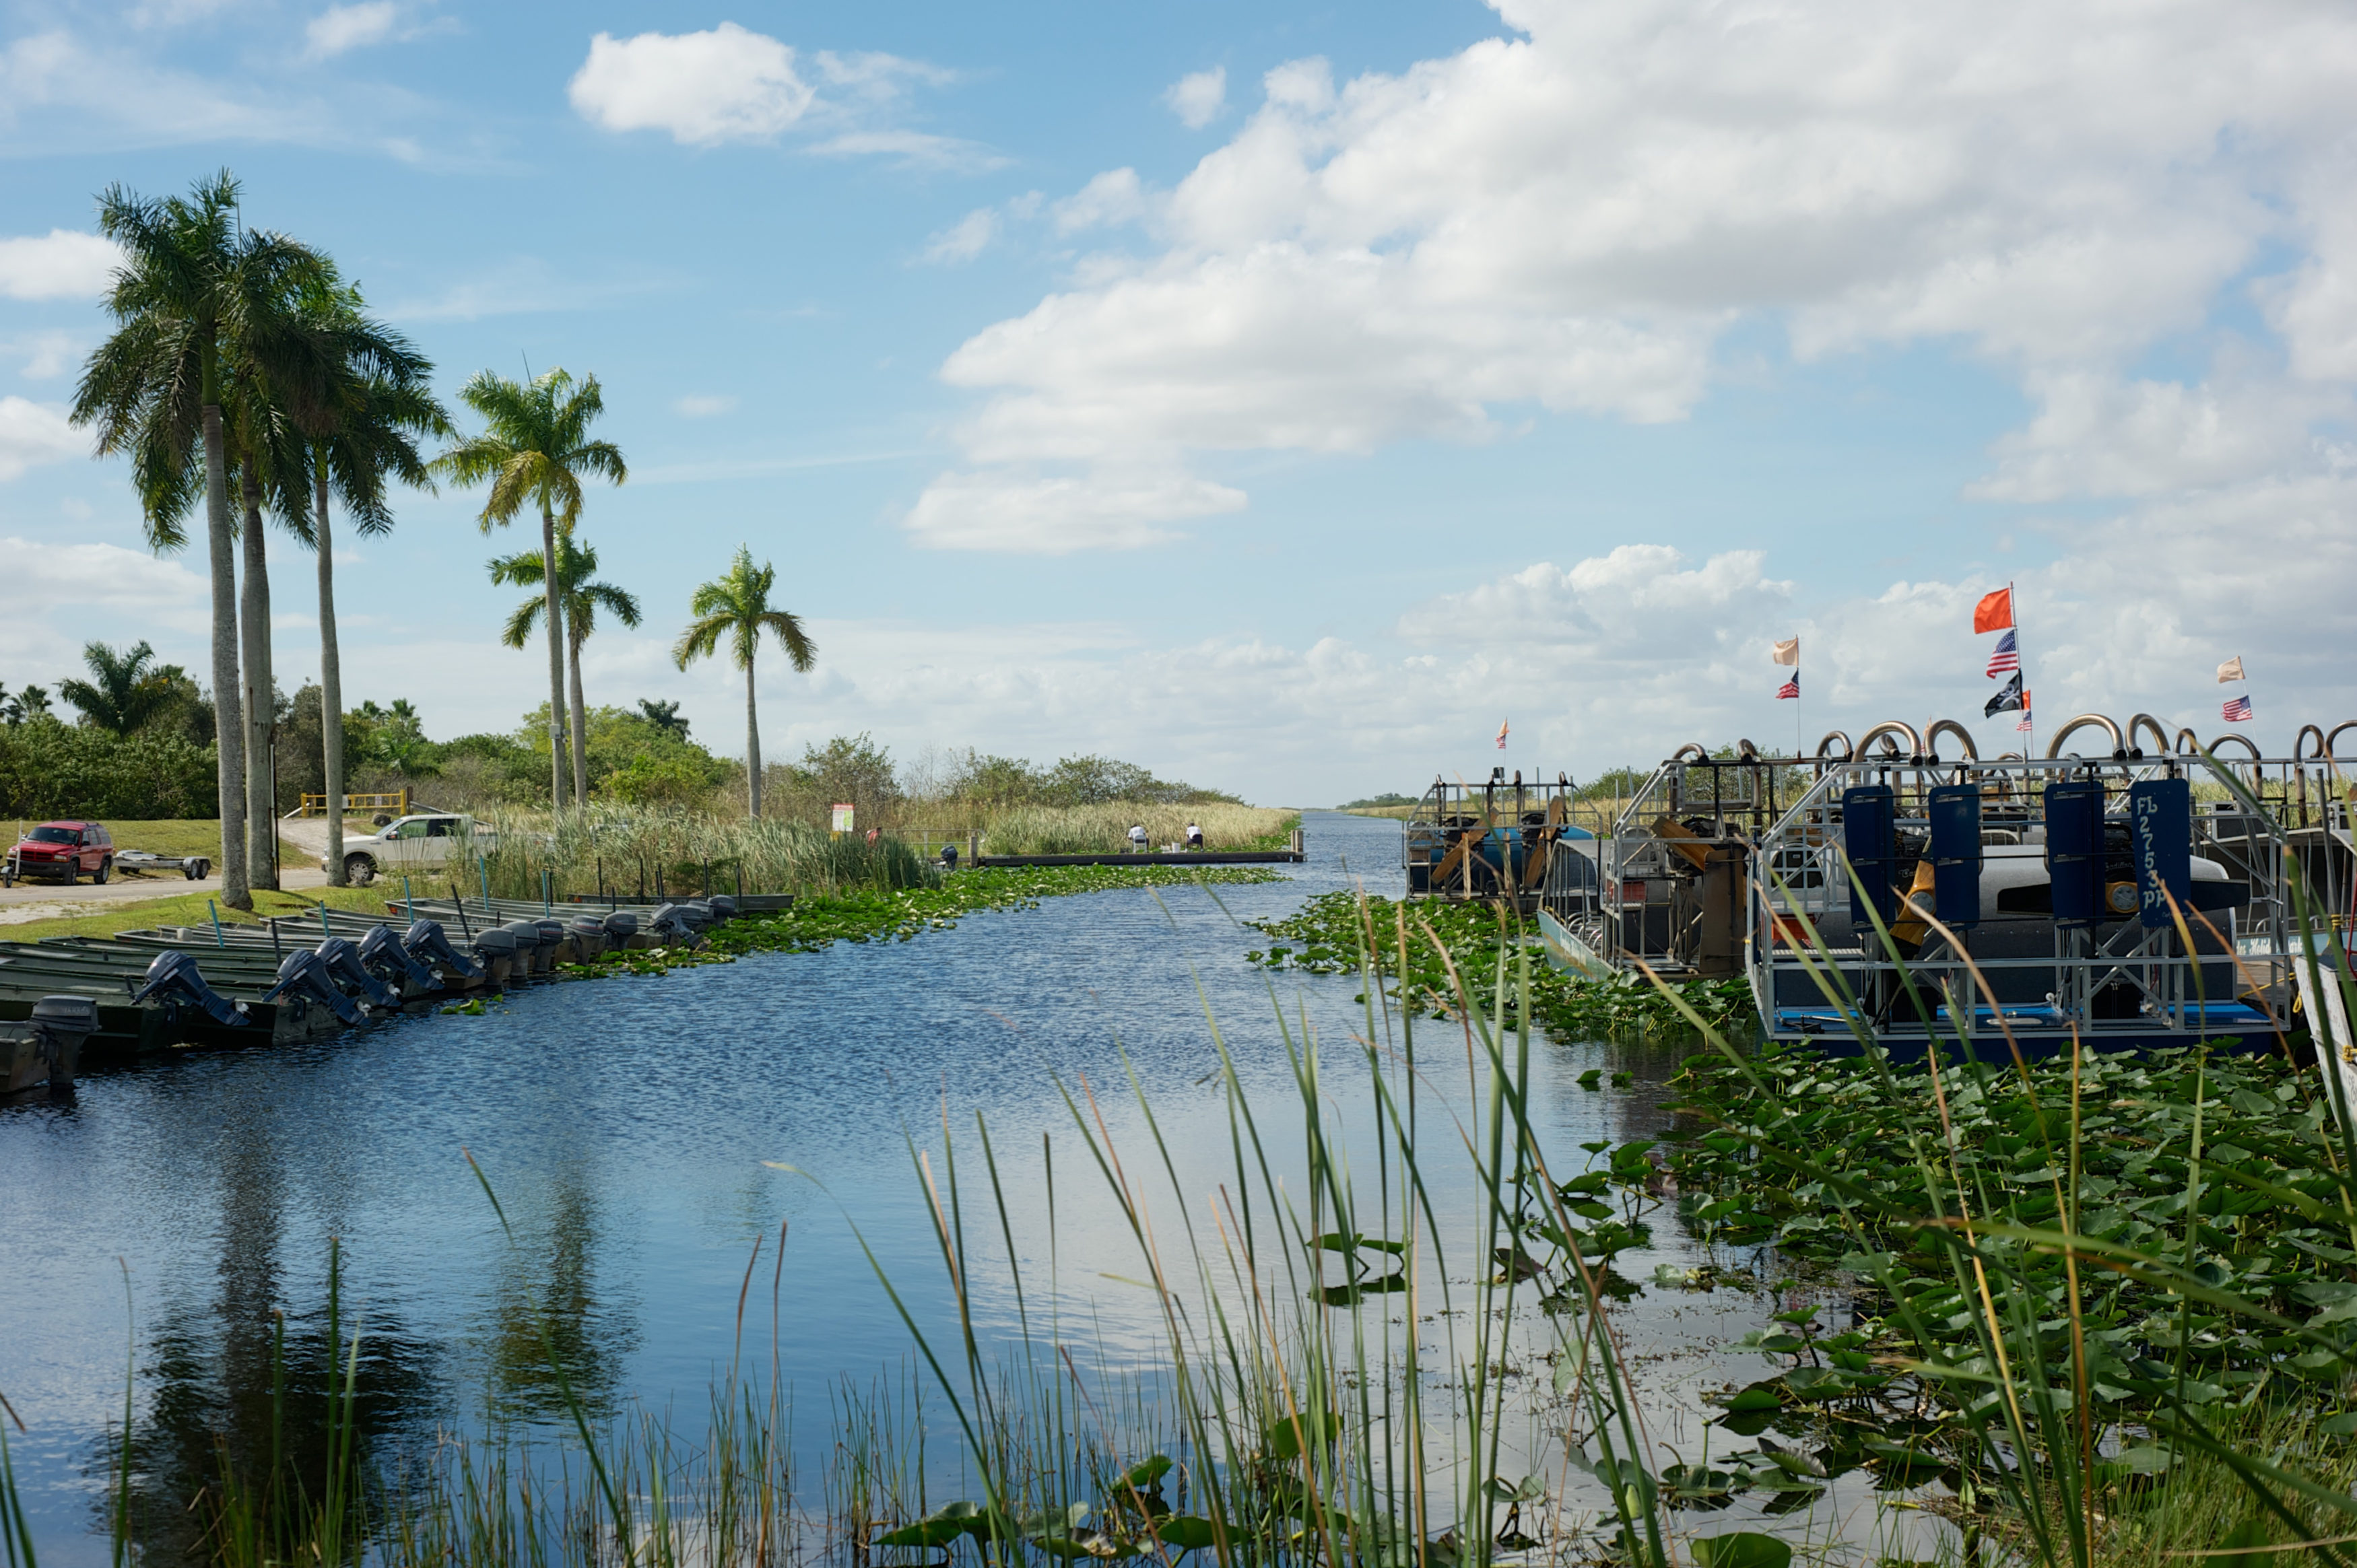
(625, 1125)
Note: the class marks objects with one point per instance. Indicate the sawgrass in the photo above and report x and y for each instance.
(1104, 829)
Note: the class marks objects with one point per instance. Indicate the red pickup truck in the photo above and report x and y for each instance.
(63, 851)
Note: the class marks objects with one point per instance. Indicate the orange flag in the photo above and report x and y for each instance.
(1995, 612)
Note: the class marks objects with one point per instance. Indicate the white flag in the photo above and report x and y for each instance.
(1787, 652)
(2231, 671)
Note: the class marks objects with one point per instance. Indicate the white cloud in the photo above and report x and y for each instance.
(342, 28)
(47, 354)
(90, 99)
(731, 84)
(963, 240)
(1057, 515)
(722, 85)
(518, 286)
(159, 596)
(704, 406)
(916, 148)
(64, 263)
(1198, 97)
(2097, 434)
(34, 432)
(1112, 197)
(1573, 218)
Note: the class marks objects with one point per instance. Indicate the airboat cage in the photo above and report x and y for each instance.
(2126, 896)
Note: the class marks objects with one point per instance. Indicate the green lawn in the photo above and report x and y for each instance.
(190, 910)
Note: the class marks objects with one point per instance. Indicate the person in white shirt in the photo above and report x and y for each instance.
(1137, 837)
(1194, 836)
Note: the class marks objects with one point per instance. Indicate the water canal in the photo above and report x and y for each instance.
(626, 1125)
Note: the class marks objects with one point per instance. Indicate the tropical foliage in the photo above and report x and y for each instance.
(535, 451)
(735, 605)
(52, 769)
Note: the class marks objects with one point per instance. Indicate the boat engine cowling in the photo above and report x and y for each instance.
(670, 924)
(588, 934)
(304, 976)
(62, 1023)
(621, 926)
(425, 943)
(344, 967)
(697, 912)
(173, 979)
(724, 908)
(532, 947)
(494, 943)
(381, 951)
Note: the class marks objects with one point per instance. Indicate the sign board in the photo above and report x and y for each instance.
(842, 816)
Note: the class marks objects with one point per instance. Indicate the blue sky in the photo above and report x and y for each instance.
(1281, 395)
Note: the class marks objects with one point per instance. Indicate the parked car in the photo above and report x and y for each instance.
(419, 841)
(65, 851)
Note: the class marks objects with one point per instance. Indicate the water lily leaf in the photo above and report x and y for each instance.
(1748, 1548)
(1147, 1473)
(1186, 1533)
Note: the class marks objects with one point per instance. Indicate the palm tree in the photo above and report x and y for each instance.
(536, 448)
(737, 604)
(125, 693)
(371, 439)
(580, 594)
(200, 302)
(29, 703)
(663, 716)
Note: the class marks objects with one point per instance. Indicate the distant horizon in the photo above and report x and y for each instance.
(1281, 396)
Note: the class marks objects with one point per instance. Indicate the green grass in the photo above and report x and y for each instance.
(117, 914)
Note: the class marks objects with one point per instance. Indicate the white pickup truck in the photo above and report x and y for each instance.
(420, 842)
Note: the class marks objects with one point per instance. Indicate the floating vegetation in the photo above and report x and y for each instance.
(1328, 933)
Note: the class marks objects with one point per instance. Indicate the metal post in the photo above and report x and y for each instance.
(461, 902)
(408, 906)
(323, 929)
(218, 940)
(547, 892)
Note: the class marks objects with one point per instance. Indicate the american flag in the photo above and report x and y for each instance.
(2238, 710)
(1790, 688)
(2024, 724)
(2007, 656)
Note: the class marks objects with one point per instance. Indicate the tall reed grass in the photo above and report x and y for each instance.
(1104, 829)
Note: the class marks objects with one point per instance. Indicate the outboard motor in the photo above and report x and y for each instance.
(588, 934)
(174, 980)
(381, 951)
(344, 967)
(532, 958)
(424, 942)
(697, 912)
(304, 977)
(668, 924)
(552, 937)
(495, 947)
(724, 908)
(621, 926)
(62, 1023)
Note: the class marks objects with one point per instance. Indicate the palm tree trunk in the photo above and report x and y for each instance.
(556, 613)
(260, 697)
(228, 711)
(331, 679)
(580, 724)
(752, 747)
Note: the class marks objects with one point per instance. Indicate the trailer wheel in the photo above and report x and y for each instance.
(358, 870)
(193, 869)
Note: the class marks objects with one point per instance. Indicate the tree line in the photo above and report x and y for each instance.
(244, 380)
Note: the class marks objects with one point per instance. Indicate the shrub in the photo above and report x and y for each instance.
(51, 770)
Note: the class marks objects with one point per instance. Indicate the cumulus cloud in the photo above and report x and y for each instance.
(728, 83)
(1198, 97)
(342, 28)
(1574, 215)
(732, 84)
(34, 432)
(2098, 435)
(64, 263)
(1112, 197)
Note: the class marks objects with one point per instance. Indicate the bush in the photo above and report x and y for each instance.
(51, 770)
